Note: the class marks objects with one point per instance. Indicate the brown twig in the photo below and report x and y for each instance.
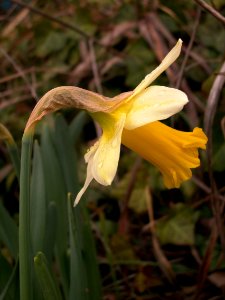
(187, 53)
(206, 261)
(95, 67)
(211, 10)
(210, 112)
(123, 224)
(161, 28)
(213, 100)
(164, 263)
(21, 15)
(223, 126)
(207, 189)
(160, 48)
(15, 76)
(20, 71)
(32, 70)
(123, 27)
(11, 92)
(5, 104)
(126, 26)
(8, 13)
(96, 76)
(106, 42)
(201, 184)
(54, 19)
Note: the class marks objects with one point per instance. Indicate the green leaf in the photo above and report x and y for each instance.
(139, 62)
(78, 285)
(8, 232)
(51, 229)
(83, 20)
(178, 227)
(89, 255)
(76, 126)
(53, 42)
(66, 154)
(83, 264)
(25, 251)
(138, 200)
(212, 44)
(38, 202)
(56, 192)
(47, 282)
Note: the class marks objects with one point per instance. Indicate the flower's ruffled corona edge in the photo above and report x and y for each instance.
(172, 151)
(116, 116)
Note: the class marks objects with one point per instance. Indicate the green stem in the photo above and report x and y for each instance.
(25, 263)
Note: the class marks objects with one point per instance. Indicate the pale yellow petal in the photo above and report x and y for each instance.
(88, 180)
(106, 157)
(91, 152)
(167, 61)
(153, 104)
(88, 157)
(89, 160)
(102, 158)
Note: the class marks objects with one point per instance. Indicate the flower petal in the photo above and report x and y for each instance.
(88, 157)
(103, 157)
(106, 157)
(174, 152)
(89, 160)
(73, 97)
(88, 180)
(153, 104)
(167, 61)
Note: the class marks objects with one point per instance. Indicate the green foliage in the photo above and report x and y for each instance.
(178, 227)
(38, 205)
(8, 232)
(139, 62)
(48, 285)
(219, 159)
(54, 166)
(138, 200)
(53, 42)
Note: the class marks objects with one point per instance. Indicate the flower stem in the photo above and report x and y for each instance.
(25, 263)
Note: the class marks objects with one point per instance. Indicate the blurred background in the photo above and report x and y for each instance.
(151, 243)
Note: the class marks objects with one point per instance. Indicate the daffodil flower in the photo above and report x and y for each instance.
(132, 119)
